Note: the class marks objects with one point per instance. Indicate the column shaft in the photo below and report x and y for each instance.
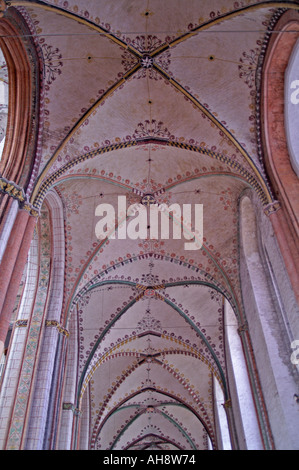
(12, 268)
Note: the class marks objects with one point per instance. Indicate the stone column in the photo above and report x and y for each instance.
(68, 418)
(286, 244)
(7, 225)
(12, 267)
(17, 343)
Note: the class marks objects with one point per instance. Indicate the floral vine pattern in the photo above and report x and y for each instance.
(151, 128)
(248, 66)
(144, 43)
(72, 203)
(52, 62)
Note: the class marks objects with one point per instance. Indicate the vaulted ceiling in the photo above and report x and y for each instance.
(143, 97)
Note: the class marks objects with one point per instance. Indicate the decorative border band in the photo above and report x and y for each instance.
(50, 181)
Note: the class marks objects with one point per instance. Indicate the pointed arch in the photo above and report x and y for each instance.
(23, 77)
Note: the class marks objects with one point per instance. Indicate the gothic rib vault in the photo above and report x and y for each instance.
(140, 98)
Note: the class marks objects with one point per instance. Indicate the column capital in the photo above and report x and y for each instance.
(227, 404)
(21, 323)
(272, 207)
(242, 328)
(11, 189)
(71, 407)
(58, 326)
